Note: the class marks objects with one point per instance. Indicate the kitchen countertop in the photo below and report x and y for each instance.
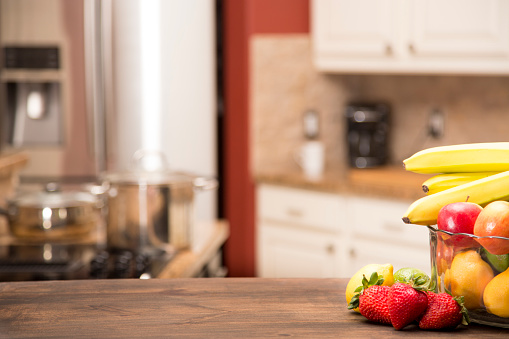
(385, 182)
(11, 161)
(188, 263)
(213, 307)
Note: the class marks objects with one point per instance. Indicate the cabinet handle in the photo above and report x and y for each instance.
(388, 49)
(331, 249)
(294, 212)
(411, 48)
(393, 228)
(353, 254)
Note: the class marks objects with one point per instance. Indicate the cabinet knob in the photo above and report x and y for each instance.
(353, 254)
(411, 48)
(331, 249)
(294, 212)
(388, 49)
(394, 228)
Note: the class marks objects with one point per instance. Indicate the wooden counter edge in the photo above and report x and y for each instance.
(188, 263)
(11, 161)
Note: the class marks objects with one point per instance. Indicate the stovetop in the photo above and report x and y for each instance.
(120, 264)
(29, 262)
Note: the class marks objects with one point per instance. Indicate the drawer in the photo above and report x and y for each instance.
(366, 252)
(303, 207)
(381, 219)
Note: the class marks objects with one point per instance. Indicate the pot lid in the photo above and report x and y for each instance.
(149, 167)
(150, 178)
(54, 199)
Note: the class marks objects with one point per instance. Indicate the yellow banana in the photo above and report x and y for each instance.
(480, 157)
(424, 211)
(441, 182)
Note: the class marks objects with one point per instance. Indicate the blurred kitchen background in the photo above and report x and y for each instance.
(302, 109)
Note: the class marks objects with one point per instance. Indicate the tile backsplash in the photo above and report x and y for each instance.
(284, 84)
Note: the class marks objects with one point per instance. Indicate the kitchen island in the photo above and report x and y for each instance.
(215, 307)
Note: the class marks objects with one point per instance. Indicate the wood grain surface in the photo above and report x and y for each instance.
(199, 308)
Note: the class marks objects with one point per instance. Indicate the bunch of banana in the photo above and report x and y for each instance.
(481, 157)
(475, 172)
(441, 182)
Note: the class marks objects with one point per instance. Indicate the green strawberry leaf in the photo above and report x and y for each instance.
(354, 302)
(373, 280)
(432, 285)
(461, 302)
(420, 283)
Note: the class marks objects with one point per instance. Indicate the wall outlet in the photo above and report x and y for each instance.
(436, 121)
(311, 124)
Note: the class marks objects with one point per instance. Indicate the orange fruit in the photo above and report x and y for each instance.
(468, 276)
(496, 295)
(494, 221)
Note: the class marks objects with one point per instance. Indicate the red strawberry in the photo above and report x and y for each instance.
(373, 304)
(371, 299)
(431, 296)
(443, 312)
(406, 303)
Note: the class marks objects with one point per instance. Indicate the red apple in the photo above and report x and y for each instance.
(494, 221)
(459, 217)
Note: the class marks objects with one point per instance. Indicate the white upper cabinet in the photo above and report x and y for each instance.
(346, 29)
(411, 36)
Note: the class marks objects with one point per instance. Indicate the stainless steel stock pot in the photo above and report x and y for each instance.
(151, 207)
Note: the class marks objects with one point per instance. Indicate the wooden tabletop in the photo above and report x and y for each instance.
(199, 307)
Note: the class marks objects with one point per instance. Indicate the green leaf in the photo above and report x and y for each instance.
(373, 279)
(461, 302)
(365, 282)
(354, 302)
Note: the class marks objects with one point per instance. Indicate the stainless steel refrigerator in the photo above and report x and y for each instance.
(87, 83)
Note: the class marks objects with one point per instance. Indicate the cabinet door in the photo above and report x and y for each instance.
(290, 252)
(351, 29)
(459, 28)
(411, 36)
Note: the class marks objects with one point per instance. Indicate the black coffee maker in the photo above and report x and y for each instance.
(367, 134)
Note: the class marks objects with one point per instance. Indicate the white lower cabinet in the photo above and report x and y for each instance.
(288, 252)
(298, 233)
(304, 233)
(378, 235)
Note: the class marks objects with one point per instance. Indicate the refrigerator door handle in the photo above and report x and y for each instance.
(94, 83)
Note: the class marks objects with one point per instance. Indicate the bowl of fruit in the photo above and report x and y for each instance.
(466, 210)
(473, 266)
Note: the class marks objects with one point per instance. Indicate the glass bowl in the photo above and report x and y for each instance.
(460, 265)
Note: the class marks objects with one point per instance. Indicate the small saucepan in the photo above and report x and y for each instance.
(52, 215)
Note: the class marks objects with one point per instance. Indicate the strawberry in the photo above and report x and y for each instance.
(443, 312)
(373, 304)
(406, 302)
(371, 299)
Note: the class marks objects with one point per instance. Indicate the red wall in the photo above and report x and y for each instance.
(279, 16)
(242, 19)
